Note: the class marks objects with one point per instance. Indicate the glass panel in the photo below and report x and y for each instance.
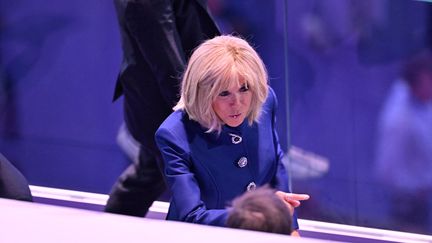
(58, 64)
(350, 109)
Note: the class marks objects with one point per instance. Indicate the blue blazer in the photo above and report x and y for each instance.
(203, 170)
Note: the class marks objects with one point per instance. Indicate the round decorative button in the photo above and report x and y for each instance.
(251, 186)
(235, 139)
(242, 162)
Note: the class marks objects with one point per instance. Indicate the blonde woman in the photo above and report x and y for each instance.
(221, 139)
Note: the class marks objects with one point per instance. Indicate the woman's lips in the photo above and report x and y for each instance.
(235, 116)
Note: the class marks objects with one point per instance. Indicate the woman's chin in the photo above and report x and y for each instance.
(234, 123)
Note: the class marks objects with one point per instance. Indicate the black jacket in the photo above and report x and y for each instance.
(158, 36)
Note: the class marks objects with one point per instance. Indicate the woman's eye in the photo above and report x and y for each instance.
(244, 88)
(224, 93)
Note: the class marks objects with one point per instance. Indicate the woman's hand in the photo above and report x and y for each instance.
(292, 200)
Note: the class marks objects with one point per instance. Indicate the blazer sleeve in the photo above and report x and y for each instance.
(152, 25)
(281, 179)
(186, 194)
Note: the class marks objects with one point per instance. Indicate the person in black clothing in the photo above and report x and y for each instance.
(158, 36)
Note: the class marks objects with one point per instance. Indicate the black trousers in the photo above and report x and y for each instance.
(138, 186)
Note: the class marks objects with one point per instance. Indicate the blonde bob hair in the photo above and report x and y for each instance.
(215, 66)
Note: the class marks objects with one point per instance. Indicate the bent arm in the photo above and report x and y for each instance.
(186, 193)
(280, 180)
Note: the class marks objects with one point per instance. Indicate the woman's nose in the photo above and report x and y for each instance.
(235, 99)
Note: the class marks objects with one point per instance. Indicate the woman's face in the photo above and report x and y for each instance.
(233, 105)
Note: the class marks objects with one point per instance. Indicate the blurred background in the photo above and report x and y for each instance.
(332, 63)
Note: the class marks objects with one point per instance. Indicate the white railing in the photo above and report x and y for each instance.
(306, 225)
